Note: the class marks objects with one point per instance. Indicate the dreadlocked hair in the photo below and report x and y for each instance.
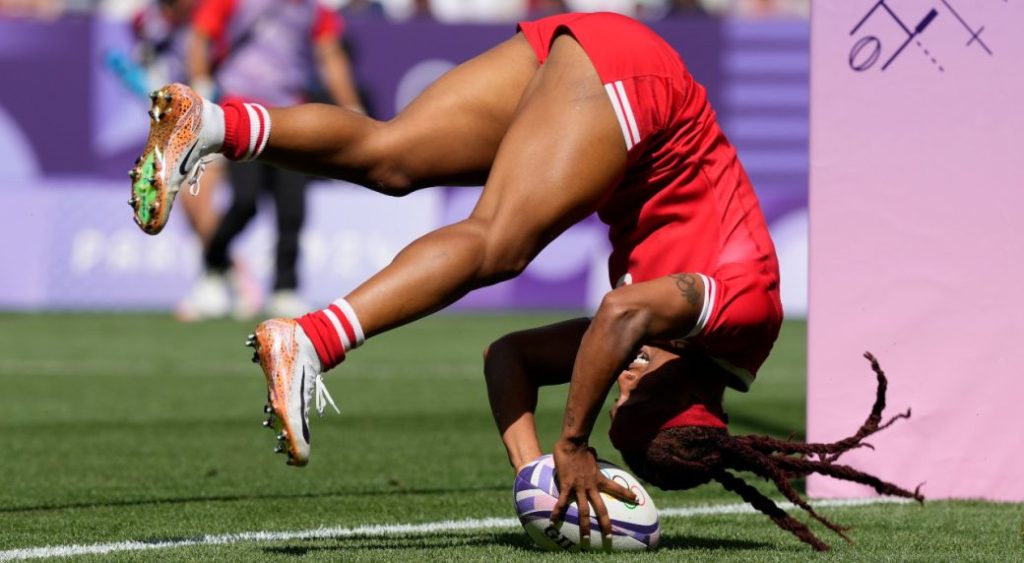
(687, 456)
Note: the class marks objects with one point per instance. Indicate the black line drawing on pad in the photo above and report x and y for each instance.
(868, 49)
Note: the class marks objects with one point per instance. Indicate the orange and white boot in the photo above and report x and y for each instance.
(183, 129)
(293, 372)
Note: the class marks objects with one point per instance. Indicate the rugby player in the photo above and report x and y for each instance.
(576, 113)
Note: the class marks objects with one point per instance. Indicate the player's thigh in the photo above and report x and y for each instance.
(546, 353)
(451, 131)
(562, 154)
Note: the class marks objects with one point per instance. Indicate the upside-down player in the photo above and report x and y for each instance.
(669, 422)
(574, 114)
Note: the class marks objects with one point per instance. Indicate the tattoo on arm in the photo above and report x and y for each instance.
(687, 285)
(571, 422)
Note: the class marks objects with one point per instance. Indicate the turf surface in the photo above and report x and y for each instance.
(135, 427)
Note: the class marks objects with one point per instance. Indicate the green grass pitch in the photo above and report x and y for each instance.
(135, 427)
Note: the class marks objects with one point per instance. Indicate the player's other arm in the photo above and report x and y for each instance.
(628, 316)
(631, 315)
(516, 366)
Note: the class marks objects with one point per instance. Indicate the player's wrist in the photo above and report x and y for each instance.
(572, 443)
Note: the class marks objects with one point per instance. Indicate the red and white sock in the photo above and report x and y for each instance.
(333, 331)
(246, 130)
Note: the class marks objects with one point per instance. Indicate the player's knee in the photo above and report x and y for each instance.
(389, 178)
(496, 254)
(504, 257)
(503, 264)
(387, 162)
(390, 181)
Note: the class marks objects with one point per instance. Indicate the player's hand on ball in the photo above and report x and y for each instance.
(579, 478)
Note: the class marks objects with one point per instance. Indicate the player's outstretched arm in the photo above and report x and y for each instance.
(628, 316)
(516, 366)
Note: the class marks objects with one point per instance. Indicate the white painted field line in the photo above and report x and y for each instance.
(379, 530)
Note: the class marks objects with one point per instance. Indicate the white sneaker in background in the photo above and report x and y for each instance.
(286, 303)
(209, 298)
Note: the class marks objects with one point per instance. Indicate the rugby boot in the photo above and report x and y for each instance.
(183, 129)
(292, 370)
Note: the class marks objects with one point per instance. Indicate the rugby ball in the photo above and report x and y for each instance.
(635, 527)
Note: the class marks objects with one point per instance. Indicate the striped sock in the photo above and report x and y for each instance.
(333, 331)
(246, 130)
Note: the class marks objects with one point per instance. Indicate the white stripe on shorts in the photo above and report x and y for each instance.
(627, 110)
(617, 106)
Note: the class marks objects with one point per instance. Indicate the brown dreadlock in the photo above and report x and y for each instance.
(687, 456)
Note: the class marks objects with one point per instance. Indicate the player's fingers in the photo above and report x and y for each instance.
(618, 491)
(558, 512)
(603, 519)
(583, 508)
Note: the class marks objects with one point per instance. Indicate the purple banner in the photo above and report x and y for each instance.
(69, 130)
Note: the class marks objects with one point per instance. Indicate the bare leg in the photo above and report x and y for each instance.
(447, 135)
(515, 367)
(555, 162)
(561, 155)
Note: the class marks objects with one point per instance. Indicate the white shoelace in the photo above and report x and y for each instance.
(322, 397)
(195, 174)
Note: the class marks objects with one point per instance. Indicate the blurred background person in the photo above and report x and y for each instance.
(271, 52)
(161, 30)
